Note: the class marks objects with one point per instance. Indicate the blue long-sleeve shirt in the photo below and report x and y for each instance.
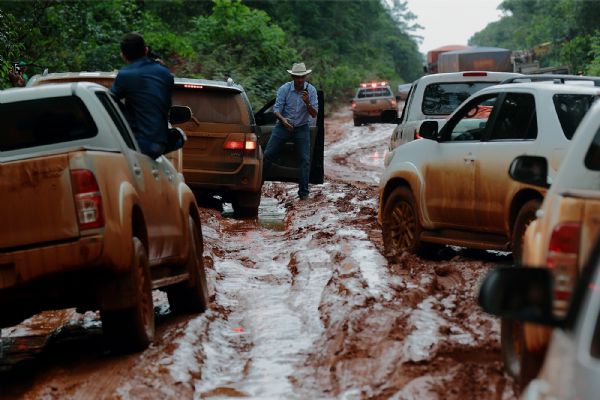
(290, 104)
(147, 87)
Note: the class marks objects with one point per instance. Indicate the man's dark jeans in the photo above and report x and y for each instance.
(301, 137)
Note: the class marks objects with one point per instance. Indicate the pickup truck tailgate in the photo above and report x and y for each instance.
(37, 202)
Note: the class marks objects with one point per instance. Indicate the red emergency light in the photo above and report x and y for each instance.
(372, 84)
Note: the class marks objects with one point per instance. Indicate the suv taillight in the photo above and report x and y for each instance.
(563, 253)
(88, 199)
(248, 144)
(353, 104)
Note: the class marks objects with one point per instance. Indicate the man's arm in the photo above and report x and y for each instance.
(278, 108)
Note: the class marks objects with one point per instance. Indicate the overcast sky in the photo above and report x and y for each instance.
(451, 21)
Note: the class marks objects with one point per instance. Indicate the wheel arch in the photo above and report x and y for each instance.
(517, 203)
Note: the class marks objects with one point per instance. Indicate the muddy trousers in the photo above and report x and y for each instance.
(301, 138)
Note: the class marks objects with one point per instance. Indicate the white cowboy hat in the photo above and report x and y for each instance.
(299, 69)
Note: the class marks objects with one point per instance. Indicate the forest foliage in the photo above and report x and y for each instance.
(253, 42)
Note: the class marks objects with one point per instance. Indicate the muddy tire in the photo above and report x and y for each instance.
(245, 204)
(132, 329)
(524, 218)
(357, 121)
(191, 296)
(401, 226)
(521, 363)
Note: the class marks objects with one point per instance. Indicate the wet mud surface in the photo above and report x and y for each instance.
(304, 305)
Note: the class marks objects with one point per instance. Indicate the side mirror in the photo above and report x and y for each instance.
(180, 114)
(532, 170)
(523, 294)
(429, 130)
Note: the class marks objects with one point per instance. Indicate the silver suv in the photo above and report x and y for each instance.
(452, 187)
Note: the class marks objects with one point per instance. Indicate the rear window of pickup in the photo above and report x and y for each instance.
(39, 122)
(373, 92)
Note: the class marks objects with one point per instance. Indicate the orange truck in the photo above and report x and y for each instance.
(456, 58)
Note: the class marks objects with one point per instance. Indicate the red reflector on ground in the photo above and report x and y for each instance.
(474, 73)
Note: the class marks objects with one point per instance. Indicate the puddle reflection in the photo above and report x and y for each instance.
(271, 214)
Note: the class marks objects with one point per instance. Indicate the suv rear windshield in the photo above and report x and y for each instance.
(41, 122)
(444, 98)
(208, 105)
(373, 92)
(570, 109)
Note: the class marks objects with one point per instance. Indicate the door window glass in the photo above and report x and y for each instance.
(114, 115)
(472, 119)
(592, 158)
(570, 109)
(517, 118)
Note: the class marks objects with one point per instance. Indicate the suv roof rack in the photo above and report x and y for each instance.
(556, 78)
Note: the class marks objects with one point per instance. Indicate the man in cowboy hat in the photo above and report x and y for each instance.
(296, 102)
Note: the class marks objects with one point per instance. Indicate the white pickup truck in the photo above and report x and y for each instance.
(436, 96)
(88, 221)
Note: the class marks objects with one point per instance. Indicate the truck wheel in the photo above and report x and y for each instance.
(245, 204)
(191, 296)
(521, 363)
(401, 227)
(524, 218)
(132, 329)
(357, 121)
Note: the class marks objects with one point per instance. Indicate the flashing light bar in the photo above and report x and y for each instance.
(372, 84)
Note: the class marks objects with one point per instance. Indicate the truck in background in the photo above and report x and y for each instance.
(493, 59)
(458, 58)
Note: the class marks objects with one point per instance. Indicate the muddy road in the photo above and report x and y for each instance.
(304, 306)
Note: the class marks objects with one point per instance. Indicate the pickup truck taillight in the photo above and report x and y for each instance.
(353, 105)
(563, 253)
(88, 199)
(248, 144)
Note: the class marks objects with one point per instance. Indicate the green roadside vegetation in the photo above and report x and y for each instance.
(561, 32)
(253, 42)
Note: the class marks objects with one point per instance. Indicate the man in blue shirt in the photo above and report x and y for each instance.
(146, 87)
(295, 104)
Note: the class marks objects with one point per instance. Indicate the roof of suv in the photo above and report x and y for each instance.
(468, 76)
(545, 86)
(110, 76)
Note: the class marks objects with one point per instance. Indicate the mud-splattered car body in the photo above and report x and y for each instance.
(453, 187)
(561, 238)
(87, 220)
(570, 369)
(223, 154)
(374, 102)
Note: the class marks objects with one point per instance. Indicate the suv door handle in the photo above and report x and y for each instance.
(137, 170)
(469, 158)
(155, 173)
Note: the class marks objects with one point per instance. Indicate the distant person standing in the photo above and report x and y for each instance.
(296, 102)
(146, 87)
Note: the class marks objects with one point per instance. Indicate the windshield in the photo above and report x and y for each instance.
(444, 98)
(44, 121)
(373, 92)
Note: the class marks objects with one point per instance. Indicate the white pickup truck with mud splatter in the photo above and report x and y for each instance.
(88, 221)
